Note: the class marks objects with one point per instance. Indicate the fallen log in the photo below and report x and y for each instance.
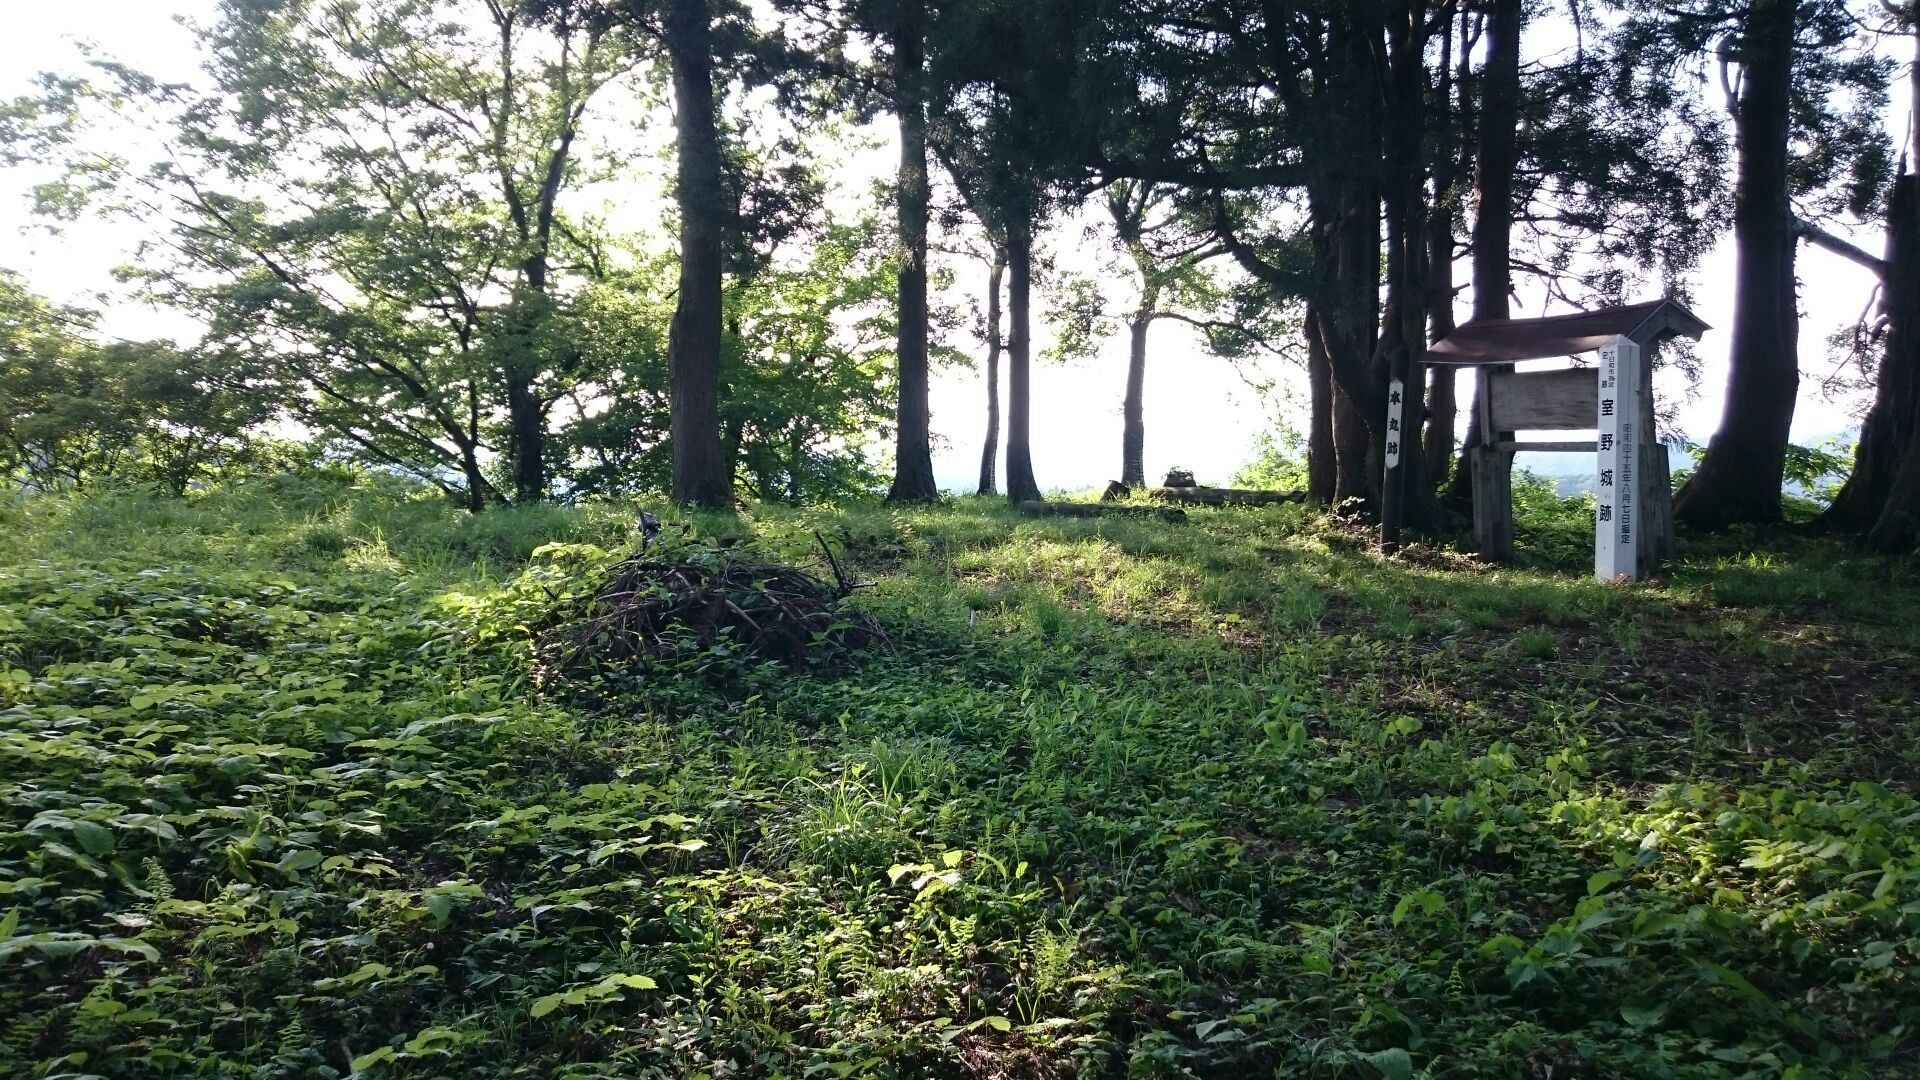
(1068, 509)
(1213, 496)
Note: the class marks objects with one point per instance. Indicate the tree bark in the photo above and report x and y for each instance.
(913, 455)
(796, 464)
(1133, 433)
(1443, 407)
(1898, 525)
(1740, 477)
(1406, 214)
(1898, 529)
(1343, 211)
(1495, 156)
(1494, 163)
(1449, 170)
(526, 413)
(989, 456)
(1889, 424)
(1323, 467)
(1347, 244)
(526, 434)
(477, 486)
(1896, 427)
(1351, 441)
(702, 475)
(1887, 444)
(526, 409)
(1021, 486)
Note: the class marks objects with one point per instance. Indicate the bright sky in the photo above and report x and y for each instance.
(1200, 413)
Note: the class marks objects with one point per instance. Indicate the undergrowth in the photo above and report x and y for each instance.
(1235, 797)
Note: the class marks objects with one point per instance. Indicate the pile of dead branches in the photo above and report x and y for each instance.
(702, 604)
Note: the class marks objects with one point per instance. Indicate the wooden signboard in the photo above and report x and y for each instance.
(1542, 400)
(1632, 492)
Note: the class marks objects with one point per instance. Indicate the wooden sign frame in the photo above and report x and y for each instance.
(1633, 496)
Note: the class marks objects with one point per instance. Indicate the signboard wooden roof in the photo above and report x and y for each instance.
(1504, 341)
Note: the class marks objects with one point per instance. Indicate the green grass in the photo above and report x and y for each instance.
(1231, 798)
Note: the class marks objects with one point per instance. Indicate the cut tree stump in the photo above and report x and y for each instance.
(1213, 496)
(1068, 509)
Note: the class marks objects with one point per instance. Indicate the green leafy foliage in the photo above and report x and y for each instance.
(1227, 798)
(81, 412)
(1279, 463)
(1814, 475)
(373, 202)
(1818, 472)
(807, 358)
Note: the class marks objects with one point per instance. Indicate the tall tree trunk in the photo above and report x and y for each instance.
(1343, 210)
(1496, 154)
(1449, 114)
(477, 486)
(1890, 435)
(1897, 526)
(1352, 442)
(1347, 231)
(730, 439)
(1406, 212)
(796, 464)
(990, 455)
(1021, 486)
(526, 434)
(1740, 477)
(1498, 151)
(1323, 467)
(526, 408)
(526, 413)
(1886, 432)
(702, 475)
(1133, 428)
(1442, 407)
(913, 455)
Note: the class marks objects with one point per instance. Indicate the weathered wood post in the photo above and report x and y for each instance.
(1492, 478)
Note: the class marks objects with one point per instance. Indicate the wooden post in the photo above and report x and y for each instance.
(1393, 487)
(1617, 480)
(1492, 502)
(1492, 475)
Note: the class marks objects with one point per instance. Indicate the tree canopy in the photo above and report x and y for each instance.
(396, 220)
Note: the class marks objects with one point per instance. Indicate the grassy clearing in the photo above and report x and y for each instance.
(1223, 799)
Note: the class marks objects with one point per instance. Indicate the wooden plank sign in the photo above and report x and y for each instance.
(1560, 400)
(1616, 479)
(1633, 497)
